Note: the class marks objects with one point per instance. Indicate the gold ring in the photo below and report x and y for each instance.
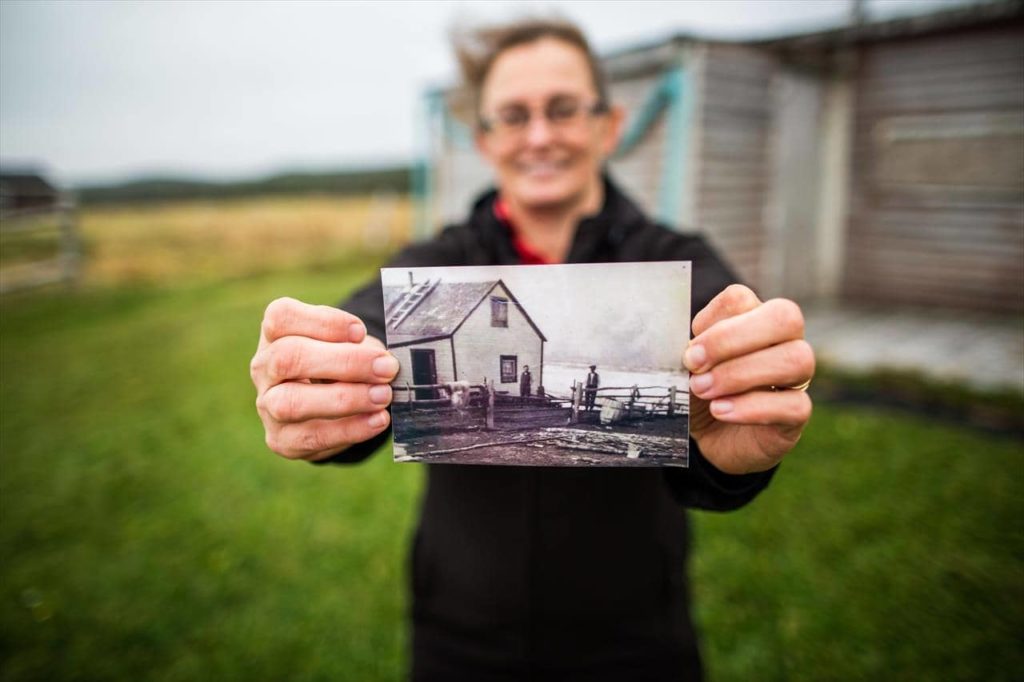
(798, 387)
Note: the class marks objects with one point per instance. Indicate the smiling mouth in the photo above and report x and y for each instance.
(542, 168)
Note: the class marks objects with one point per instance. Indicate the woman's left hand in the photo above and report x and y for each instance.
(745, 358)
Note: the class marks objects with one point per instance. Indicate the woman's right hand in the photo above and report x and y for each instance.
(321, 381)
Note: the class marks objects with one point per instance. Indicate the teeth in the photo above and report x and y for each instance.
(541, 167)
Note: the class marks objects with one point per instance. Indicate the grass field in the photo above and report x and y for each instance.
(210, 240)
(146, 533)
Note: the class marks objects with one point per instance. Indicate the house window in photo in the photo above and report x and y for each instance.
(509, 369)
(499, 311)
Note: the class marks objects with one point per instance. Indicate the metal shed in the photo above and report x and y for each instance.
(876, 163)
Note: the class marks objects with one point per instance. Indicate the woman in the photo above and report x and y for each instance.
(538, 573)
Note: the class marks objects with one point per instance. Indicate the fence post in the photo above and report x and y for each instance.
(490, 404)
(576, 393)
(70, 245)
(408, 395)
(671, 400)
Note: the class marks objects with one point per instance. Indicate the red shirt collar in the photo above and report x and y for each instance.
(526, 254)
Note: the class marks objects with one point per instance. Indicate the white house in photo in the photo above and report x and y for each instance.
(461, 331)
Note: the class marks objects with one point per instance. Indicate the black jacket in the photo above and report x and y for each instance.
(526, 573)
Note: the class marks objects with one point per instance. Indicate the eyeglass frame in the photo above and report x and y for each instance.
(487, 124)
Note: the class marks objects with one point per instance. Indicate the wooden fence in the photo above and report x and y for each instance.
(478, 396)
(660, 400)
(37, 225)
(636, 401)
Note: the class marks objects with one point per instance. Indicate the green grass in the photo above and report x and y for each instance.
(146, 533)
(42, 242)
(887, 548)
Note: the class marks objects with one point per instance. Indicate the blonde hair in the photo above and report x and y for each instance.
(477, 49)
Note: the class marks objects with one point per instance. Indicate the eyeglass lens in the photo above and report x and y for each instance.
(558, 110)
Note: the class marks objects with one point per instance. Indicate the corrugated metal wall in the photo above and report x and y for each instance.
(732, 161)
(461, 175)
(935, 178)
(639, 172)
(937, 214)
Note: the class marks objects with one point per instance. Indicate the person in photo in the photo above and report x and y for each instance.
(593, 382)
(524, 382)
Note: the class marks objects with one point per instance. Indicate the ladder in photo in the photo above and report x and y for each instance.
(409, 301)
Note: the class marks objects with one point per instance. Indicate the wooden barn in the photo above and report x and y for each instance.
(877, 163)
(20, 190)
(461, 331)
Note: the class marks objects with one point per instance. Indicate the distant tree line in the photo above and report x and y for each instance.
(346, 182)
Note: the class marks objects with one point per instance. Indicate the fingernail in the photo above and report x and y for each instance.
(721, 406)
(700, 382)
(356, 332)
(695, 357)
(378, 419)
(385, 366)
(380, 394)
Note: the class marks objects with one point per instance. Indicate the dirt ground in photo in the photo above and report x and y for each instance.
(552, 442)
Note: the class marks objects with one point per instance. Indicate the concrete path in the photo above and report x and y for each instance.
(983, 351)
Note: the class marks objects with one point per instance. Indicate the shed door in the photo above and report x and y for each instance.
(424, 371)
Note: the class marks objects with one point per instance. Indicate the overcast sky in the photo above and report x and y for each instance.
(610, 305)
(104, 91)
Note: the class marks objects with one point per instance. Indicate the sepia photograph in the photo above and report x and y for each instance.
(540, 365)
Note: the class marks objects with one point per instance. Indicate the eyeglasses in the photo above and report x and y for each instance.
(560, 112)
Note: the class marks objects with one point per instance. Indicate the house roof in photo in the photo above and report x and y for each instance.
(441, 311)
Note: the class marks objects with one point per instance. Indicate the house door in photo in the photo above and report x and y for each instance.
(424, 371)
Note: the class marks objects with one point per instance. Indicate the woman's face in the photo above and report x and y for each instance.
(554, 160)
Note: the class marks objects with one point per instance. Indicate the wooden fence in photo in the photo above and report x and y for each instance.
(477, 400)
(479, 403)
(630, 401)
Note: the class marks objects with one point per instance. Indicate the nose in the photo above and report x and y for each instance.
(539, 131)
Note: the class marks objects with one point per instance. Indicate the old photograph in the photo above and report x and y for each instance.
(540, 365)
